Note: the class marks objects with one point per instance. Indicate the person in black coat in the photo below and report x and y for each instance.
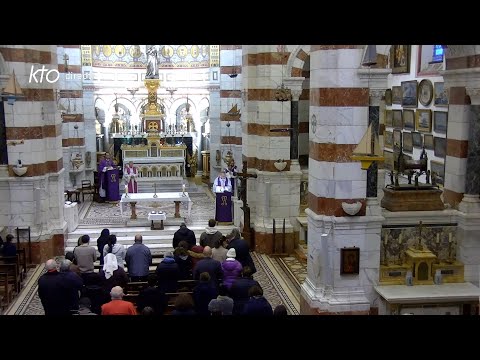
(242, 250)
(73, 283)
(153, 297)
(203, 293)
(239, 290)
(53, 292)
(184, 262)
(257, 304)
(101, 242)
(9, 248)
(207, 264)
(186, 234)
(168, 274)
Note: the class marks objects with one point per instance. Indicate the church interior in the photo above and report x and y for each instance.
(349, 170)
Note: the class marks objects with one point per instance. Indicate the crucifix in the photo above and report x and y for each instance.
(242, 195)
(420, 226)
(155, 188)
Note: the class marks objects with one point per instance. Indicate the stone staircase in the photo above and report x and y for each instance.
(159, 241)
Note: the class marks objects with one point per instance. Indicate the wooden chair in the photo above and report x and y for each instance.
(22, 254)
(13, 275)
(6, 291)
(88, 189)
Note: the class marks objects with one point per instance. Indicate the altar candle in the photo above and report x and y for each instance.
(450, 237)
(400, 239)
(385, 241)
(126, 189)
(183, 187)
(438, 238)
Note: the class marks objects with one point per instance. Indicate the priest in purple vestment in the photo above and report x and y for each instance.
(222, 186)
(105, 164)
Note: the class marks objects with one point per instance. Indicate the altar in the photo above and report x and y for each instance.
(151, 198)
(157, 162)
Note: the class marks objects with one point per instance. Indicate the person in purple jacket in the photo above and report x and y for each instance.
(232, 269)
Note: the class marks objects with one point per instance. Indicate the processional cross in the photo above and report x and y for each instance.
(155, 188)
(242, 195)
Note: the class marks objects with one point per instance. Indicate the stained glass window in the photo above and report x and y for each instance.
(437, 55)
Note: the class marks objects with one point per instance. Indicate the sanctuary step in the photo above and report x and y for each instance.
(159, 241)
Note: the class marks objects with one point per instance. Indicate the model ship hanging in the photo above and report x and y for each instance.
(368, 149)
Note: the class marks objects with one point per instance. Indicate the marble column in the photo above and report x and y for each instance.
(339, 101)
(295, 86)
(461, 190)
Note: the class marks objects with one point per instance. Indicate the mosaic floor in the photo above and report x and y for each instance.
(203, 209)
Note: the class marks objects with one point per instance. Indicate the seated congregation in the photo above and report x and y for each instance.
(214, 277)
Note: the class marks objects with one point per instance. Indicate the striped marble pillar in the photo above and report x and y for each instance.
(339, 104)
(34, 136)
(70, 97)
(275, 194)
(462, 185)
(230, 97)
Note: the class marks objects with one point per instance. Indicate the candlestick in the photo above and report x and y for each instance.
(450, 237)
(183, 189)
(385, 241)
(438, 238)
(400, 239)
(126, 190)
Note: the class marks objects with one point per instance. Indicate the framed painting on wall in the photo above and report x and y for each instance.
(397, 119)
(423, 120)
(388, 97)
(397, 95)
(428, 141)
(388, 162)
(409, 119)
(441, 98)
(440, 147)
(417, 140)
(409, 93)
(397, 140)
(440, 119)
(437, 170)
(400, 59)
(407, 142)
(425, 92)
(388, 139)
(349, 261)
(388, 118)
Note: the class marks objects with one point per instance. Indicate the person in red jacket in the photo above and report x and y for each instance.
(118, 306)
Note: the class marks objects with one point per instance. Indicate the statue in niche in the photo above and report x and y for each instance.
(152, 62)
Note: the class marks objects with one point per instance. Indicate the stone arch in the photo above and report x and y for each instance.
(296, 61)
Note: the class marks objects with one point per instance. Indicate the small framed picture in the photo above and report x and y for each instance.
(349, 261)
(440, 119)
(425, 92)
(440, 147)
(407, 142)
(423, 121)
(388, 118)
(417, 140)
(428, 141)
(397, 95)
(441, 98)
(388, 97)
(437, 170)
(397, 119)
(409, 93)
(397, 140)
(388, 162)
(409, 119)
(400, 59)
(388, 139)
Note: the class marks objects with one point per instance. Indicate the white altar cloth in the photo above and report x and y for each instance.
(161, 197)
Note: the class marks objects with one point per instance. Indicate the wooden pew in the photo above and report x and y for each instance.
(6, 291)
(13, 274)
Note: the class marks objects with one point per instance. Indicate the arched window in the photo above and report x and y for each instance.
(437, 55)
